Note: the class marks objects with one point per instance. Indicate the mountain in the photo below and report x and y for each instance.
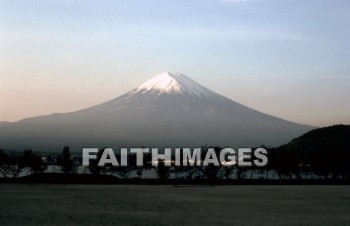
(168, 110)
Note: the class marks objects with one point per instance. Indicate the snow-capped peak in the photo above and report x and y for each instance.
(168, 82)
(164, 82)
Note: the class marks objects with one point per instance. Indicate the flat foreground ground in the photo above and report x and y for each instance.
(22, 204)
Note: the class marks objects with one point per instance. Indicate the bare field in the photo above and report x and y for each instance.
(168, 205)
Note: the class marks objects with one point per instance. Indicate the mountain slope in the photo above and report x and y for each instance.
(168, 110)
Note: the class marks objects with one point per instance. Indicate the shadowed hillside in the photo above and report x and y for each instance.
(324, 151)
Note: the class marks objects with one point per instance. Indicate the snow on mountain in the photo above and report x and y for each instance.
(165, 82)
(168, 82)
(167, 110)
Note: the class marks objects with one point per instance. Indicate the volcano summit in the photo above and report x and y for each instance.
(169, 110)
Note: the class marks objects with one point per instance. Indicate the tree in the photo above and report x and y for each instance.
(66, 161)
(285, 162)
(227, 171)
(162, 170)
(211, 172)
(5, 168)
(16, 164)
(93, 165)
(241, 172)
(33, 161)
(139, 171)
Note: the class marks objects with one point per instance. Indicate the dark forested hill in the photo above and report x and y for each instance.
(325, 151)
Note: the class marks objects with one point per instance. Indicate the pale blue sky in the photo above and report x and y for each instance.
(290, 59)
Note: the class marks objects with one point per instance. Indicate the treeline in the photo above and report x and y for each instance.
(289, 161)
(322, 153)
(13, 164)
(162, 171)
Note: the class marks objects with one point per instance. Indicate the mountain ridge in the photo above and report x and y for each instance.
(167, 110)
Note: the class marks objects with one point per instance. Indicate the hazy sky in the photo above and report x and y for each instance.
(290, 58)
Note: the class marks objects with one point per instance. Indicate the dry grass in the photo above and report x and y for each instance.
(169, 205)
